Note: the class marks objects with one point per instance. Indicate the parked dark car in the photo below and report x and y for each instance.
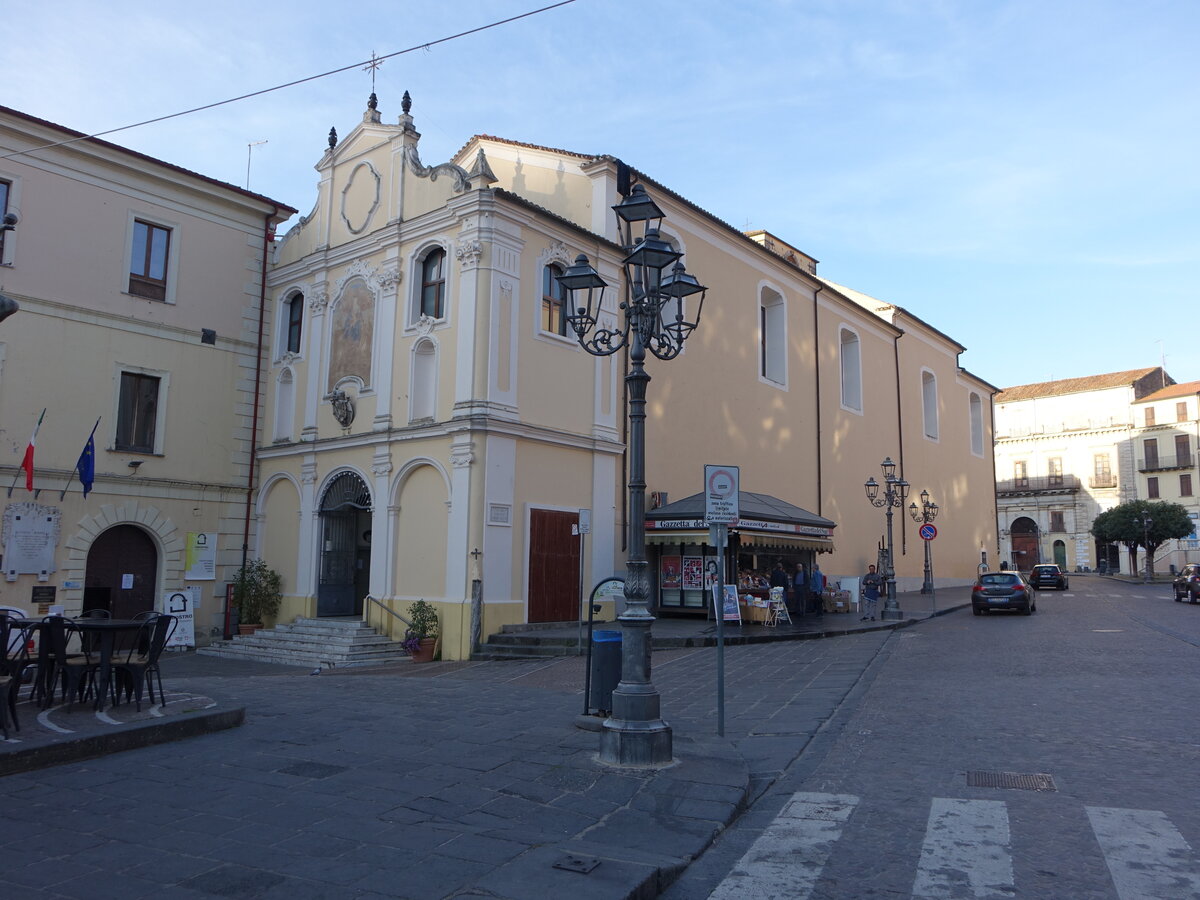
(1048, 575)
(1187, 584)
(1002, 590)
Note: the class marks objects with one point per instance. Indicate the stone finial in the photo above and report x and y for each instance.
(481, 174)
(332, 138)
(372, 101)
(406, 103)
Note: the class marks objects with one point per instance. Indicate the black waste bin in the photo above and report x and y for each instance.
(606, 669)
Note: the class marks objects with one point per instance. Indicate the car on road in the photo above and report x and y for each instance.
(1187, 584)
(1048, 575)
(1002, 590)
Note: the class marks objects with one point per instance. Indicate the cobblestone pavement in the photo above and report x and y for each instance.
(908, 790)
(449, 779)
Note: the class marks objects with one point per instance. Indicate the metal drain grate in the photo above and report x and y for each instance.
(1035, 782)
(311, 770)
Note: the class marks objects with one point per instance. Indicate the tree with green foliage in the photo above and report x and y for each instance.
(1142, 523)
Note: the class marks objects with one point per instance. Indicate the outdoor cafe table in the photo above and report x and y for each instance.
(107, 632)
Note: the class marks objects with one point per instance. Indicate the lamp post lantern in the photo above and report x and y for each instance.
(651, 317)
(924, 515)
(895, 491)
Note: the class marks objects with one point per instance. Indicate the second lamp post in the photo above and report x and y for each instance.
(652, 317)
(895, 491)
(924, 515)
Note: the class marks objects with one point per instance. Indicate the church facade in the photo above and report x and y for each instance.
(434, 431)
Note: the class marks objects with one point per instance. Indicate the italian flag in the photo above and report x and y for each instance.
(27, 462)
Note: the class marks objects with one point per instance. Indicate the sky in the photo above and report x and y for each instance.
(1024, 175)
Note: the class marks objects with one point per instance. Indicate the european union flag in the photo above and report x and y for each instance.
(87, 464)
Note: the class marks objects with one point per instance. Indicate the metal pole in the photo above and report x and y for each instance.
(891, 609)
(635, 734)
(719, 600)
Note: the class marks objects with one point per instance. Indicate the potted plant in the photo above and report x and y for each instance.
(421, 638)
(257, 591)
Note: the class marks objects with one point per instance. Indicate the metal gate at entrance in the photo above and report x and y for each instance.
(345, 515)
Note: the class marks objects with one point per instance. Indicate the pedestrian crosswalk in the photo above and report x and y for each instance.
(967, 852)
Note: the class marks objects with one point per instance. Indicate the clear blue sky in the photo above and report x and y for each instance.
(1023, 175)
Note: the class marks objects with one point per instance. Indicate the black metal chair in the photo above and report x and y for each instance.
(76, 671)
(15, 640)
(137, 667)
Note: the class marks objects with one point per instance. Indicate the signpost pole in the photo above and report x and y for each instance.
(721, 487)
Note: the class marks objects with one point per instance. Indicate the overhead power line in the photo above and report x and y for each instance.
(374, 60)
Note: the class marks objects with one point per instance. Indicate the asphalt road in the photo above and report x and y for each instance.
(911, 789)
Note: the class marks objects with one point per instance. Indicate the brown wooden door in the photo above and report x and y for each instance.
(553, 566)
(120, 551)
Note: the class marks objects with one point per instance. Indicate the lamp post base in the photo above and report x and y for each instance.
(641, 744)
(891, 612)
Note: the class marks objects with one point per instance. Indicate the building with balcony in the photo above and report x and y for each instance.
(1065, 452)
(1166, 436)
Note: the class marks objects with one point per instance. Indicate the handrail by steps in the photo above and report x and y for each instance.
(386, 609)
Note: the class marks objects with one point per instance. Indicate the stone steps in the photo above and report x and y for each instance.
(338, 643)
(505, 645)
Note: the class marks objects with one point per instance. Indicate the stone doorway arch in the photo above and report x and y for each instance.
(345, 529)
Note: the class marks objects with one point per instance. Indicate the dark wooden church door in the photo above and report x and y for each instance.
(553, 566)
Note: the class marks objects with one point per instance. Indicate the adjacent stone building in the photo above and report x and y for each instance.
(141, 289)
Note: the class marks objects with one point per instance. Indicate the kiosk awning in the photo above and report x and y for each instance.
(766, 523)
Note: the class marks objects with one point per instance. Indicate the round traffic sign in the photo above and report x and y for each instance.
(928, 531)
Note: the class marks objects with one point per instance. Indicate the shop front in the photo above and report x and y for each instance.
(683, 562)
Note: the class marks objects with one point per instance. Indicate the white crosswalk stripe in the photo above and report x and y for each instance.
(967, 851)
(1146, 855)
(786, 860)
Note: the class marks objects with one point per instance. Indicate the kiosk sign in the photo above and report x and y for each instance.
(721, 494)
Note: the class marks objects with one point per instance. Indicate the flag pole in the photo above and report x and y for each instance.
(32, 441)
(76, 469)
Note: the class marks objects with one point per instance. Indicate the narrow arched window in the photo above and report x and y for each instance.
(433, 284)
(295, 322)
(929, 402)
(851, 364)
(554, 319)
(976, 425)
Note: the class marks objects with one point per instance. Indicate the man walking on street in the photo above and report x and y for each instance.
(871, 582)
(816, 585)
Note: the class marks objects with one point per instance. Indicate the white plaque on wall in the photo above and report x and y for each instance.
(30, 539)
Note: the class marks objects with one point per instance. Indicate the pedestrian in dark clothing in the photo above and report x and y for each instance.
(799, 591)
(871, 583)
(816, 587)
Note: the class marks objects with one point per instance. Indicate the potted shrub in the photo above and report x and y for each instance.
(257, 591)
(420, 640)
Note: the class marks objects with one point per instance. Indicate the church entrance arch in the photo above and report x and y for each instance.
(345, 517)
(1025, 544)
(122, 572)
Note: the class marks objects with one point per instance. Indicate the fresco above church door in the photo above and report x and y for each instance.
(352, 334)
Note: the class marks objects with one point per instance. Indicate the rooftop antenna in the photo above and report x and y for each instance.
(249, 150)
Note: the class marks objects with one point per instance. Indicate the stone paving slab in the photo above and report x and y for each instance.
(426, 781)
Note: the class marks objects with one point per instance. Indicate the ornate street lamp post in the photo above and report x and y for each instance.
(924, 515)
(894, 493)
(651, 317)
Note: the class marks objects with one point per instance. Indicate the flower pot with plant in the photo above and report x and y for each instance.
(257, 592)
(421, 638)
